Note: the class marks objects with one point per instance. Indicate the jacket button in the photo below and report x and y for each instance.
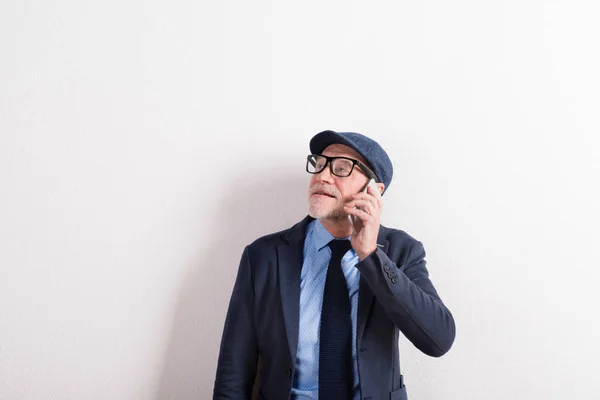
(289, 373)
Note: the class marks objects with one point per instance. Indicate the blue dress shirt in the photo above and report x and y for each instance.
(312, 284)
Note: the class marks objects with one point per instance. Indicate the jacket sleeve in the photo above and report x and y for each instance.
(410, 300)
(238, 356)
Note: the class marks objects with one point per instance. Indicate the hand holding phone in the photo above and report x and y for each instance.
(356, 222)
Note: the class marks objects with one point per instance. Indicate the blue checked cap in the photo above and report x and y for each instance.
(377, 159)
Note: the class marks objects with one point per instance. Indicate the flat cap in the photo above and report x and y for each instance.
(373, 153)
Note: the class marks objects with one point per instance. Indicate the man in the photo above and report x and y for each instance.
(321, 304)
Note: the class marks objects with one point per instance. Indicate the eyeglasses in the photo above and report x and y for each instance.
(339, 166)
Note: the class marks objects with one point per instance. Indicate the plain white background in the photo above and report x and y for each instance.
(144, 143)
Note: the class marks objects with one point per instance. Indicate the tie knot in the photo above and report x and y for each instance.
(339, 248)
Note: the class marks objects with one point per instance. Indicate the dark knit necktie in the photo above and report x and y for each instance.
(336, 376)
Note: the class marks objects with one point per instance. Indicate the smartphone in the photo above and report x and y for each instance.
(355, 221)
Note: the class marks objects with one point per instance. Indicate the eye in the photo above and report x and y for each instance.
(342, 167)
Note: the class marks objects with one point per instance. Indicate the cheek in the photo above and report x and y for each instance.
(349, 190)
(346, 193)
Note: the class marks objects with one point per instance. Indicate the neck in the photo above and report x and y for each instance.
(339, 228)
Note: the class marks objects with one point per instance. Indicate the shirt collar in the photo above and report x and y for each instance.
(321, 236)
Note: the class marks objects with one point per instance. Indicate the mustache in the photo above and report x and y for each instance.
(324, 189)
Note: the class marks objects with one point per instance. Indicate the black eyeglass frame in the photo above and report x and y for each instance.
(362, 166)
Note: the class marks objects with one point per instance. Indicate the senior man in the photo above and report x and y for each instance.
(320, 305)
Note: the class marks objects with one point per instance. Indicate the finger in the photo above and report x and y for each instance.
(375, 193)
(378, 199)
(359, 203)
(366, 209)
(368, 197)
(366, 205)
(363, 215)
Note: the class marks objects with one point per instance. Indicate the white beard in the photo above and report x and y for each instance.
(319, 210)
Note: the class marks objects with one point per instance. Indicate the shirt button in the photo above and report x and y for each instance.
(394, 280)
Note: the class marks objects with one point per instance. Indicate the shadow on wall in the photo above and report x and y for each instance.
(259, 203)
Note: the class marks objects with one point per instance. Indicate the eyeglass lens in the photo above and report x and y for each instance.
(340, 166)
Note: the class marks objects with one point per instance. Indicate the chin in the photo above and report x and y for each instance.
(331, 209)
(315, 212)
(318, 212)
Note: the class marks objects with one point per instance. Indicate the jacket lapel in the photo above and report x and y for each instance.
(365, 295)
(289, 264)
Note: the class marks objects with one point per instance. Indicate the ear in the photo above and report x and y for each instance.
(381, 187)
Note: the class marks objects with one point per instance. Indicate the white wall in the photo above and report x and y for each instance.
(144, 143)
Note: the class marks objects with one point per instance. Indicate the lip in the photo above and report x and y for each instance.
(323, 195)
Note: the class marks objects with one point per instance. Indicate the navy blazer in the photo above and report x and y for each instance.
(395, 294)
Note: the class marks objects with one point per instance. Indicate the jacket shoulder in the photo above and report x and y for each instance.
(401, 245)
(270, 240)
(292, 235)
(395, 236)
